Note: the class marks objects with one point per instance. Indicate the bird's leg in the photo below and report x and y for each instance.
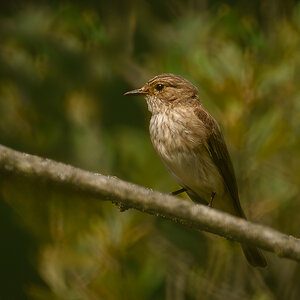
(212, 196)
(178, 192)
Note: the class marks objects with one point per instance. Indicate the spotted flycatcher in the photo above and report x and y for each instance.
(189, 142)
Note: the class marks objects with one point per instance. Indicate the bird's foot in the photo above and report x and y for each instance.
(121, 206)
(212, 196)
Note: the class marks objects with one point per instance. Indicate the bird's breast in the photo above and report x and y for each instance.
(171, 134)
(178, 137)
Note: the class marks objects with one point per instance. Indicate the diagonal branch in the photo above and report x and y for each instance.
(129, 195)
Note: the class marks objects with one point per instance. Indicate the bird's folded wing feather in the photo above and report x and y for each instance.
(217, 150)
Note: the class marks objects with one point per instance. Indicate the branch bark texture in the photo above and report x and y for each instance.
(129, 195)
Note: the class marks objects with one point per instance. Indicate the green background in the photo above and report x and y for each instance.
(64, 66)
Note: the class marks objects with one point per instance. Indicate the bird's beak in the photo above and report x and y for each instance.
(137, 92)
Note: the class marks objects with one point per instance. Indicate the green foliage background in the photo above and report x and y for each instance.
(64, 66)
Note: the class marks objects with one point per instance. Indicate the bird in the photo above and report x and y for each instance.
(192, 147)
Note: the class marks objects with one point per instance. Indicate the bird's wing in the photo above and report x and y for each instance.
(217, 149)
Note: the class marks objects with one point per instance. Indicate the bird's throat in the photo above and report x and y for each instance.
(155, 105)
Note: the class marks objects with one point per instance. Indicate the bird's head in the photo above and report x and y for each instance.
(166, 89)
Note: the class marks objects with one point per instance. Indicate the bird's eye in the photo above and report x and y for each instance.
(159, 87)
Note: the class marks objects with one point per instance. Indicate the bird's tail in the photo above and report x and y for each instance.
(254, 256)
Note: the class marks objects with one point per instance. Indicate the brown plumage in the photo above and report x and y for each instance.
(189, 141)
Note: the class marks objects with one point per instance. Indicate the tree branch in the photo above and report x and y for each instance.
(129, 195)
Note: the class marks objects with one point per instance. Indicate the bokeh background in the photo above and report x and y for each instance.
(64, 66)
